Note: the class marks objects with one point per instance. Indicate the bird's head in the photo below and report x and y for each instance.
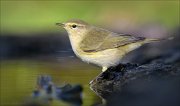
(75, 27)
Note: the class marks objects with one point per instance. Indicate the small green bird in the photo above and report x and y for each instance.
(100, 46)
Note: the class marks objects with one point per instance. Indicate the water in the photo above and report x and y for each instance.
(18, 78)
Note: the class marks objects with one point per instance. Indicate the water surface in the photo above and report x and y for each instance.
(18, 78)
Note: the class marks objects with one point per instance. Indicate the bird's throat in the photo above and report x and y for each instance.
(75, 42)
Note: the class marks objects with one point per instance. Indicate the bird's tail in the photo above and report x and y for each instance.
(157, 40)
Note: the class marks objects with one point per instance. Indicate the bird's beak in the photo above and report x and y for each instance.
(60, 24)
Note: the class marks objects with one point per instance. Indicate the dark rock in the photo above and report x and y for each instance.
(115, 78)
(141, 92)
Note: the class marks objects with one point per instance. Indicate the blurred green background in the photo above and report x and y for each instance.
(31, 44)
(35, 16)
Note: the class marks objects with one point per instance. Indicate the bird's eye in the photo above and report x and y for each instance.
(74, 26)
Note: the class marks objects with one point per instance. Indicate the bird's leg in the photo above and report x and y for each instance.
(104, 69)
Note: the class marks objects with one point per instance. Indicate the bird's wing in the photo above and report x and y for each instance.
(93, 39)
(111, 41)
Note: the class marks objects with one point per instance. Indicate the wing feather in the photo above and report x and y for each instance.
(102, 40)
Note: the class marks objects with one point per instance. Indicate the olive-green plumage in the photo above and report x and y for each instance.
(100, 46)
(105, 40)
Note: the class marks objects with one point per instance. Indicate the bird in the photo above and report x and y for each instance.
(100, 46)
